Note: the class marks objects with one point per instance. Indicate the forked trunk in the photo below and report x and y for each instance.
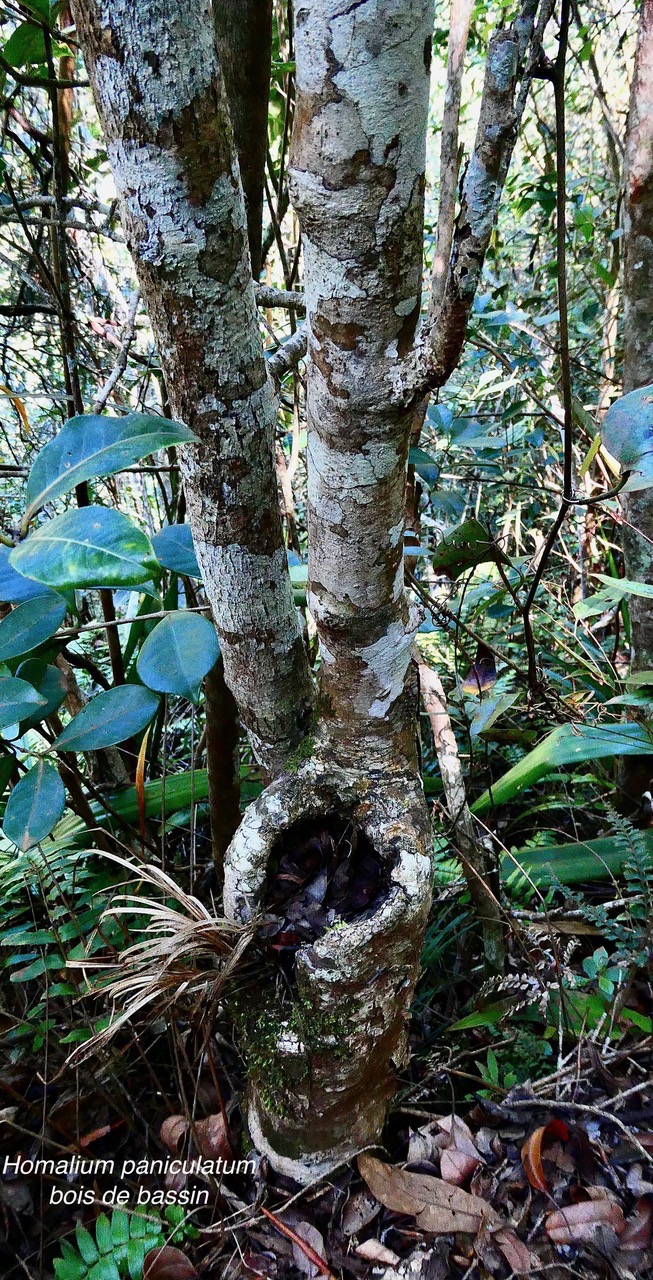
(357, 183)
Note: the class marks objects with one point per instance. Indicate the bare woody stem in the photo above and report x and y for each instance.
(465, 835)
(183, 211)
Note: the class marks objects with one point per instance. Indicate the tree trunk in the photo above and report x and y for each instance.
(637, 771)
(357, 183)
(161, 99)
(244, 32)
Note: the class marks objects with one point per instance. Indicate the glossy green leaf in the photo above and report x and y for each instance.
(92, 445)
(30, 625)
(109, 717)
(34, 806)
(178, 653)
(426, 466)
(18, 698)
(464, 548)
(49, 682)
(25, 46)
(568, 744)
(582, 863)
(173, 548)
(627, 432)
(14, 588)
(86, 547)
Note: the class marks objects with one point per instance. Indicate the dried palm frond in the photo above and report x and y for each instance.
(186, 952)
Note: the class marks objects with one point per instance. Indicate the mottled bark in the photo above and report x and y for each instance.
(638, 351)
(244, 31)
(460, 16)
(160, 95)
(357, 184)
(481, 193)
(465, 833)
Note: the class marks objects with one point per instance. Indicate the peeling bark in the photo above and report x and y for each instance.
(638, 353)
(357, 184)
(161, 99)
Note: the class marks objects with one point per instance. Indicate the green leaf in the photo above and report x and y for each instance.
(426, 466)
(91, 445)
(30, 625)
(178, 653)
(69, 1268)
(583, 863)
(86, 1244)
(18, 698)
(14, 588)
(487, 1017)
(568, 744)
(173, 548)
(105, 1269)
(49, 682)
(25, 46)
(135, 1258)
(103, 1234)
(109, 717)
(41, 8)
(34, 806)
(464, 548)
(86, 547)
(119, 1226)
(627, 432)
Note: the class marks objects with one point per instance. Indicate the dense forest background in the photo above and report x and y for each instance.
(124, 771)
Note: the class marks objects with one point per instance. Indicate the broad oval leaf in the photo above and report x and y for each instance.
(18, 699)
(424, 464)
(91, 445)
(627, 432)
(109, 717)
(14, 588)
(173, 548)
(34, 806)
(464, 548)
(86, 547)
(30, 624)
(49, 682)
(178, 653)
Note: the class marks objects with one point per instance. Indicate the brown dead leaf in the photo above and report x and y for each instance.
(460, 1157)
(168, 1264)
(531, 1152)
(638, 1233)
(422, 1144)
(213, 1138)
(519, 1258)
(579, 1222)
(359, 1210)
(300, 1243)
(172, 1131)
(313, 1238)
(437, 1206)
(456, 1166)
(374, 1251)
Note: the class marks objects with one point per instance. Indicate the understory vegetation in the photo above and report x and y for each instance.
(135, 1015)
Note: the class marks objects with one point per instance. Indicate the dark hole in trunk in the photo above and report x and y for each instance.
(322, 870)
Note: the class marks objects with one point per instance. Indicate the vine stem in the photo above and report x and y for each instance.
(556, 73)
